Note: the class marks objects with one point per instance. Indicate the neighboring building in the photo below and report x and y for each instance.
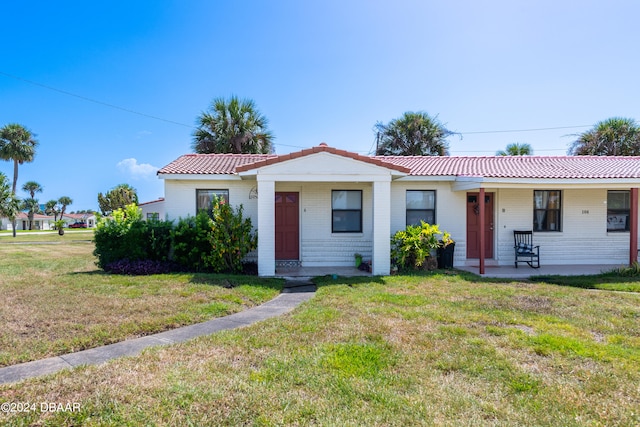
(320, 206)
(40, 222)
(153, 209)
(88, 218)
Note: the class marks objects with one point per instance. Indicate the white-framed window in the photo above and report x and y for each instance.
(547, 210)
(618, 209)
(421, 206)
(153, 216)
(205, 198)
(346, 211)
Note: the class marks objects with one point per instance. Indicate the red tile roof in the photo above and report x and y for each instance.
(558, 167)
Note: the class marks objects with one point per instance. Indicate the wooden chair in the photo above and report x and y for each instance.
(525, 250)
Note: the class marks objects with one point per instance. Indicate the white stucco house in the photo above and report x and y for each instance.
(153, 209)
(40, 222)
(319, 206)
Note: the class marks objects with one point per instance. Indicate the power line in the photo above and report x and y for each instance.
(525, 130)
(128, 110)
(95, 101)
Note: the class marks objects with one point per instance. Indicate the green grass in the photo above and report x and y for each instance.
(56, 301)
(438, 349)
(610, 281)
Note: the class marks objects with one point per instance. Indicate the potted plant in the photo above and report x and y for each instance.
(59, 224)
(445, 251)
(358, 258)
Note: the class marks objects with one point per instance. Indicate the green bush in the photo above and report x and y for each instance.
(215, 243)
(126, 236)
(411, 247)
(191, 243)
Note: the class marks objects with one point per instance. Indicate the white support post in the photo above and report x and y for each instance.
(266, 228)
(381, 227)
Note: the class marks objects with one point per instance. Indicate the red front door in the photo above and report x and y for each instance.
(287, 226)
(473, 225)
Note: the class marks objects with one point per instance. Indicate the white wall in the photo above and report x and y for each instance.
(583, 240)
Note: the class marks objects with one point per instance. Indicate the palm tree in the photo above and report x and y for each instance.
(32, 188)
(64, 201)
(414, 134)
(616, 136)
(516, 149)
(17, 143)
(232, 127)
(32, 206)
(51, 208)
(9, 203)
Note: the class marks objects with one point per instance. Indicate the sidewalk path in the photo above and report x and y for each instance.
(293, 294)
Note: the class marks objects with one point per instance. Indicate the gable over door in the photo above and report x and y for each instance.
(287, 239)
(473, 225)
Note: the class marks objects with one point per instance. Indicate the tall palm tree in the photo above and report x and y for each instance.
(413, 134)
(17, 143)
(516, 149)
(232, 127)
(51, 207)
(9, 203)
(64, 201)
(32, 206)
(616, 136)
(32, 188)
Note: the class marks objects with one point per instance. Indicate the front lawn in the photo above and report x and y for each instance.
(441, 349)
(56, 301)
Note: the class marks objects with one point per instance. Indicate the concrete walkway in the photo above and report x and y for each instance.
(293, 294)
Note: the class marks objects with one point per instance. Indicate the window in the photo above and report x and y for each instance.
(546, 210)
(204, 198)
(346, 211)
(153, 216)
(421, 206)
(618, 208)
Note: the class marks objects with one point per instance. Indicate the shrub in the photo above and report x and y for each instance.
(215, 243)
(411, 247)
(125, 236)
(191, 243)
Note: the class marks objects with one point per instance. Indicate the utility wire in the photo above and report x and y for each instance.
(128, 110)
(95, 101)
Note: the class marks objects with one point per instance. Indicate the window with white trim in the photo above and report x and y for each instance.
(547, 213)
(421, 206)
(205, 199)
(346, 211)
(618, 209)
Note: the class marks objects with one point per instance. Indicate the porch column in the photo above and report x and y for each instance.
(381, 259)
(266, 228)
(482, 236)
(633, 227)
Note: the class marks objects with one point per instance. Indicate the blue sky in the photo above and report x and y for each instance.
(319, 71)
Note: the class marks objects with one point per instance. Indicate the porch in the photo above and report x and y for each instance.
(504, 271)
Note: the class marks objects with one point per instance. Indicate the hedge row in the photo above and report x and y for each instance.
(217, 241)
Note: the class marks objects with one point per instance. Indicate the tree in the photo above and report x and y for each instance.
(64, 201)
(33, 207)
(17, 144)
(414, 134)
(52, 208)
(616, 136)
(516, 149)
(32, 188)
(117, 198)
(232, 127)
(9, 203)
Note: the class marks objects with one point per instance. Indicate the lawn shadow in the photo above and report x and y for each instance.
(233, 280)
(335, 280)
(605, 281)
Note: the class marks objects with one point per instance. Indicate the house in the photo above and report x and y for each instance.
(88, 218)
(153, 209)
(320, 206)
(40, 222)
